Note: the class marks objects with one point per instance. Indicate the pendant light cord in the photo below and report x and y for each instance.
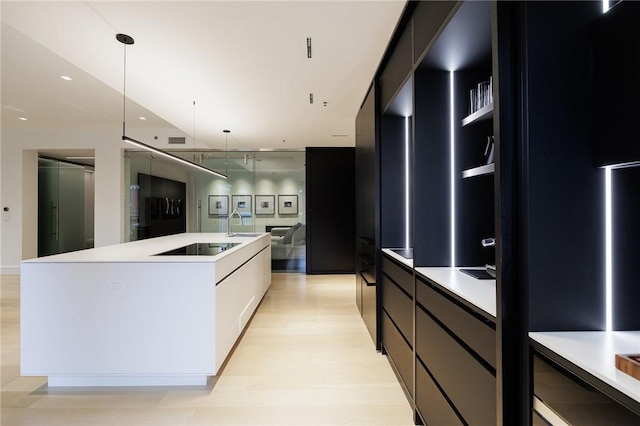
(124, 92)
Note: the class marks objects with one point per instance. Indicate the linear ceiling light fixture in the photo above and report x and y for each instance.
(125, 40)
(309, 47)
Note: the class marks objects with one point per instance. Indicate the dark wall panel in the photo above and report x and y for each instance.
(626, 248)
(392, 181)
(366, 166)
(162, 206)
(397, 69)
(565, 195)
(330, 174)
(616, 85)
(431, 170)
(428, 18)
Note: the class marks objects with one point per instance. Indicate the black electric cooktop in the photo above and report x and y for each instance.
(199, 249)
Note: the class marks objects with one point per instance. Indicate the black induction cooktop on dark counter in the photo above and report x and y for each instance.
(199, 249)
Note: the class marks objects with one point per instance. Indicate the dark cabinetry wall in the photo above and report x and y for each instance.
(616, 88)
(431, 157)
(565, 207)
(392, 181)
(162, 206)
(367, 209)
(545, 201)
(331, 206)
(626, 246)
(616, 85)
(366, 133)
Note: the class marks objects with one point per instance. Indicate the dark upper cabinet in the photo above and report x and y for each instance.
(397, 69)
(330, 174)
(366, 130)
(616, 85)
(428, 19)
(367, 208)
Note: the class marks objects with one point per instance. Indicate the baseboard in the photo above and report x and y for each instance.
(9, 270)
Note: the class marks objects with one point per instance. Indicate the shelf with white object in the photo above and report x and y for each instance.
(484, 113)
(486, 169)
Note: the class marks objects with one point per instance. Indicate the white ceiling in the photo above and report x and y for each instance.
(244, 64)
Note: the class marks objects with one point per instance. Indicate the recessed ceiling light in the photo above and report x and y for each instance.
(66, 77)
(142, 118)
(22, 118)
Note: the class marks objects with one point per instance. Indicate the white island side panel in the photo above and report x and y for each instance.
(125, 319)
(121, 315)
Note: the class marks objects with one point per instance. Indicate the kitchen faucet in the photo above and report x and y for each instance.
(235, 211)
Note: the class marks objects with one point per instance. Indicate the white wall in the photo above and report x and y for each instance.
(19, 187)
(278, 184)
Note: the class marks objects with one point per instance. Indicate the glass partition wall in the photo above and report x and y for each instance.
(264, 192)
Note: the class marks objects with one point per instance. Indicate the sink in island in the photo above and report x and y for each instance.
(162, 311)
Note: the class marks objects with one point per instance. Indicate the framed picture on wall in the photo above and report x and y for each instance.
(219, 205)
(242, 203)
(287, 204)
(265, 204)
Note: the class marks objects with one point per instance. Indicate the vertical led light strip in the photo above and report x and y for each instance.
(608, 234)
(406, 185)
(608, 262)
(453, 171)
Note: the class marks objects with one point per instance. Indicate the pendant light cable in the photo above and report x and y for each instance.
(125, 39)
(226, 151)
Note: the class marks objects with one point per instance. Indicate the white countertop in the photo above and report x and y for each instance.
(480, 293)
(595, 352)
(144, 250)
(396, 256)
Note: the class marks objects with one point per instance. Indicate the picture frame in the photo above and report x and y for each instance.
(265, 204)
(288, 204)
(219, 205)
(242, 203)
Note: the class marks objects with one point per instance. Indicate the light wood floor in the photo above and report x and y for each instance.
(305, 359)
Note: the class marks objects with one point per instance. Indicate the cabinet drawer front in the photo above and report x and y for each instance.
(399, 307)
(433, 408)
(399, 351)
(574, 399)
(467, 383)
(401, 276)
(476, 333)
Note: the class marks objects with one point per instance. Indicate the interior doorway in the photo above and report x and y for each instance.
(66, 194)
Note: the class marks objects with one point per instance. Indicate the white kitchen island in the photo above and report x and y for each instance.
(124, 315)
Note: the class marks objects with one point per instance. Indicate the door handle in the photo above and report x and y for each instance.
(56, 221)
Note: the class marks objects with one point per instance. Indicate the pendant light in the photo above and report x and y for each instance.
(127, 40)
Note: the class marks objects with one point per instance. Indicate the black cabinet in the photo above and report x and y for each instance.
(162, 206)
(575, 400)
(367, 237)
(456, 346)
(331, 210)
(397, 319)
(539, 194)
(616, 85)
(431, 402)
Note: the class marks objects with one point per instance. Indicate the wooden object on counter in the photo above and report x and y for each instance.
(629, 364)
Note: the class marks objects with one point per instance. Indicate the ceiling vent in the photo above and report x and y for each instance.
(177, 140)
